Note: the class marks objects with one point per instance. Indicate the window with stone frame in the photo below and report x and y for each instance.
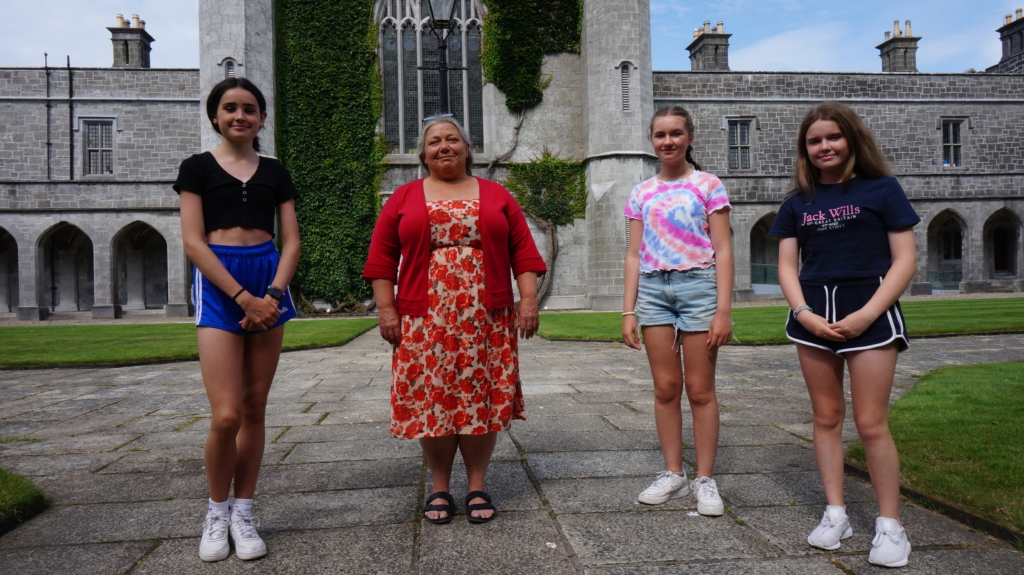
(952, 143)
(99, 147)
(411, 93)
(739, 144)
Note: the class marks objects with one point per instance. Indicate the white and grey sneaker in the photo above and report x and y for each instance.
(834, 527)
(890, 547)
(708, 501)
(248, 544)
(667, 486)
(214, 544)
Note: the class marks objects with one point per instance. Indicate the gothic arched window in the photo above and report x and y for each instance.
(410, 93)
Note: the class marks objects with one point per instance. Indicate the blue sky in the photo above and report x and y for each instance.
(767, 34)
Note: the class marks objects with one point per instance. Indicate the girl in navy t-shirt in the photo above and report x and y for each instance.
(851, 225)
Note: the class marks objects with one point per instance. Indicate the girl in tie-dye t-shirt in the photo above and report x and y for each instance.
(675, 218)
(678, 291)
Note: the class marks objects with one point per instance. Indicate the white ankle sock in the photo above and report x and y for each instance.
(217, 508)
(241, 508)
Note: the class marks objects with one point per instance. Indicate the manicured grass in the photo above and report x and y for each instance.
(19, 496)
(767, 324)
(960, 434)
(56, 345)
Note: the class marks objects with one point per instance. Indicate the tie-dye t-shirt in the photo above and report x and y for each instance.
(675, 217)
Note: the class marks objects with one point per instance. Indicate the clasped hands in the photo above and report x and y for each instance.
(849, 327)
(260, 313)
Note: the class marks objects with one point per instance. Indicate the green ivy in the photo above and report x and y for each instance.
(517, 35)
(328, 106)
(549, 188)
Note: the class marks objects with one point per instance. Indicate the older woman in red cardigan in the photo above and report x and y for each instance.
(455, 368)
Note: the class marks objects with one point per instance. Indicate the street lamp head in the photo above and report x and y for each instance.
(442, 12)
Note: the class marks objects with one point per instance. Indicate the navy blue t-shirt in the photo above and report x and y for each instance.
(844, 233)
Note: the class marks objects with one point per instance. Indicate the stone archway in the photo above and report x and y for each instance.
(764, 258)
(66, 274)
(946, 234)
(140, 267)
(8, 272)
(1002, 246)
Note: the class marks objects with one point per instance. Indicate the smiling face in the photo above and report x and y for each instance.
(828, 150)
(670, 139)
(445, 151)
(238, 115)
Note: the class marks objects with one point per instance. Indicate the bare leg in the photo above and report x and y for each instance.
(262, 352)
(871, 375)
(667, 371)
(220, 359)
(699, 372)
(823, 374)
(440, 452)
(476, 453)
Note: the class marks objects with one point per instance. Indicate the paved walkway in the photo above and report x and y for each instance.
(120, 451)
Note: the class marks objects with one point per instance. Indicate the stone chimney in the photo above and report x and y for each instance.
(710, 48)
(131, 42)
(899, 51)
(1012, 37)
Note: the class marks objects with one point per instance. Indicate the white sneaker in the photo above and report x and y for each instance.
(248, 544)
(708, 501)
(214, 544)
(890, 547)
(667, 486)
(834, 527)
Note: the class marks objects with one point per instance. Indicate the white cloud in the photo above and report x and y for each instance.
(822, 47)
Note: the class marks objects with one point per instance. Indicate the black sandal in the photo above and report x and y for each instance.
(479, 507)
(449, 508)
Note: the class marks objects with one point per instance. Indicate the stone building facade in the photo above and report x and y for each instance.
(110, 240)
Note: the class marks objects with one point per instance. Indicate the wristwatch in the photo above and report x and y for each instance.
(275, 292)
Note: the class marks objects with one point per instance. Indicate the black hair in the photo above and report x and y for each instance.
(213, 101)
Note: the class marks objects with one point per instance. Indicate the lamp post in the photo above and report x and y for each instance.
(442, 16)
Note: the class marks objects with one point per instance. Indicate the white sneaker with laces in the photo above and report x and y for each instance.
(708, 501)
(214, 544)
(834, 526)
(248, 544)
(890, 547)
(667, 486)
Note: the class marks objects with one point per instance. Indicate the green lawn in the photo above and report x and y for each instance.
(960, 434)
(53, 345)
(767, 324)
(18, 495)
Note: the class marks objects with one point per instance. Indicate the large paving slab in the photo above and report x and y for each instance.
(120, 451)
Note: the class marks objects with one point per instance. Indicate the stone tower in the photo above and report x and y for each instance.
(131, 42)
(899, 51)
(236, 38)
(617, 104)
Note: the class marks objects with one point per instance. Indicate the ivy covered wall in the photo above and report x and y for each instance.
(328, 106)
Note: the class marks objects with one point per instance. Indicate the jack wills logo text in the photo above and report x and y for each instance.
(844, 211)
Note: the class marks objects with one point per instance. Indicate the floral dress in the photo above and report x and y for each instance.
(456, 370)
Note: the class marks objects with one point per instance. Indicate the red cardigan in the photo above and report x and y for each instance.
(403, 229)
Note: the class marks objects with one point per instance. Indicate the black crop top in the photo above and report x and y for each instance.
(227, 201)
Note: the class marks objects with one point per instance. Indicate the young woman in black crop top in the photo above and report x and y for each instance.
(229, 197)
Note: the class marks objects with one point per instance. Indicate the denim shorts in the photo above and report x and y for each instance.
(686, 300)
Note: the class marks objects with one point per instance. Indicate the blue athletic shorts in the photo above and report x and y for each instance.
(836, 299)
(686, 300)
(253, 267)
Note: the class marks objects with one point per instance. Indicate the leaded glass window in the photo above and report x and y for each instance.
(99, 148)
(739, 144)
(952, 154)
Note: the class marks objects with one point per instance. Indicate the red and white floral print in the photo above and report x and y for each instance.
(456, 370)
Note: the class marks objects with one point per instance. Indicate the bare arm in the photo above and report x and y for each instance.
(789, 280)
(630, 327)
(259, 313)
(904, 265)
(290, 245)
(390, 323)
(529, 315)
(721, 325)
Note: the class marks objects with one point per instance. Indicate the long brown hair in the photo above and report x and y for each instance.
(687, 121)
(865, 157)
